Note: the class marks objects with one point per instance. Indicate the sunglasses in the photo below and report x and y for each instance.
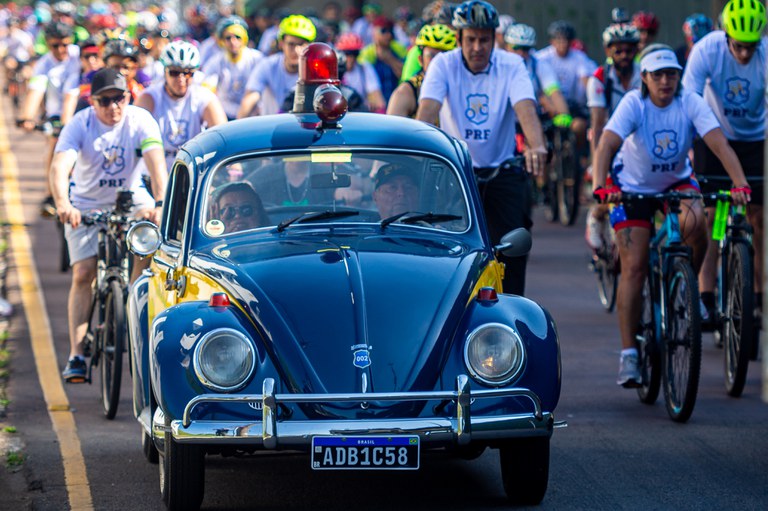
(232, 36)
(669, 73)
(56, 46)
(107, 101)
(624, 51)
(352, 53)
(230, 212)
(384, 30)
(175, 73)
(737, 46)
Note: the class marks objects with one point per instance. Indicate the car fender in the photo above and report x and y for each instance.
(138, 334)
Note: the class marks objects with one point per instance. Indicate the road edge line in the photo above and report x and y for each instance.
(41, 338)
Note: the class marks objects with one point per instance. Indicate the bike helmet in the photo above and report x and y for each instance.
(561, 29)
(619, 15)
(403, 13)
(349, 42)
(520, 34)
(744, 20)
(475, 14)
(120, 48)
(646, 20)
(697, 26)
(64, 8)
(230, 21)
(620, 33)
(444, 15)
(439, 37)
(297, 26)
(505, 20)
(181, 54)
(58, 30)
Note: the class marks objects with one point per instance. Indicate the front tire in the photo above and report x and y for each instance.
(648, 350)
(738, 329)
(111, 360)
(525, 470)
(682, 343)
(182, 474)
(569, 177)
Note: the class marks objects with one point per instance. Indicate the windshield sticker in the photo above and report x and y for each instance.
(214, 227)
(331, 157)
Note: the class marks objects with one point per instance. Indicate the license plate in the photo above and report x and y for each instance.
(365, 453)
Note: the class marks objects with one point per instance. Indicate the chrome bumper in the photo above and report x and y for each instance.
(272, 434)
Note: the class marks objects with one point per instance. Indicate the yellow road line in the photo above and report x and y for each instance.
(75, 475)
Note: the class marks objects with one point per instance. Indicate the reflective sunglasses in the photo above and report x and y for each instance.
(107, 101)
(232, 36)
(669, 73)
(175, 73)
(230, 212)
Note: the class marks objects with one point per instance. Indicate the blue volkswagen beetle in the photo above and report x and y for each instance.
(325, 283)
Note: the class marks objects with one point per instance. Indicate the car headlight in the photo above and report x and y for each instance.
(143, 238)
(224, 359)
(494, 354)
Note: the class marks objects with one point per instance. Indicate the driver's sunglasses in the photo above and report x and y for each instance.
(230, 212)
(669, 73)
(175, 73)
(107, 101)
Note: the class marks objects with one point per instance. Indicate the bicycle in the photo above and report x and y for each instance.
(669, 333)
(563, 184)
(16, 82)
(106, 333)
(734, 292)
(606, 266)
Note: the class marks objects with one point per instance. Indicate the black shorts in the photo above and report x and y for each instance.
(712, 175)
(640, 213)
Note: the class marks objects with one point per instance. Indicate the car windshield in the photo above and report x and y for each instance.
(339, 187)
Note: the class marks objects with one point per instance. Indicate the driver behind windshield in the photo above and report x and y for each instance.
(239, 207)
(397, 190)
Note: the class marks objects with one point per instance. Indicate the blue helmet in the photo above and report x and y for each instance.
(475, 14)
(697, 26)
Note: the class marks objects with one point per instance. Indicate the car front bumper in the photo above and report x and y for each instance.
(271, 433)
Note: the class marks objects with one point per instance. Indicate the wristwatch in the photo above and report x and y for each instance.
(158, 203)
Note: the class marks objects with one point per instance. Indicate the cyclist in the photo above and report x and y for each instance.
(360, 76)
(728, 68)
(605, 88)
(652, 131)
(431, 40)
(101, 144)
(55, 74)
(181, 108)
(695, 27)
(647, 24)
(501, 93)
(123, 55)
(19, 48)
(435, 13)
(276, 75)
(227, 72)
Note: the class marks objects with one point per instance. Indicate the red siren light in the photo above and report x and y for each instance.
(329, 104)
(318, 65)
(319, 69)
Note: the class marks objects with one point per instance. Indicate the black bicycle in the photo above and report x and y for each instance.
(106, 335)
(606, 267)
(562, 187)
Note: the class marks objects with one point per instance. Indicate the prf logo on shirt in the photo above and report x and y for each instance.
(736, 93)
(114, 160)
(477, 108)
(665, 147)
(176, 132)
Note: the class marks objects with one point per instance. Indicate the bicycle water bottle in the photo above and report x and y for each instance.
(721, 219)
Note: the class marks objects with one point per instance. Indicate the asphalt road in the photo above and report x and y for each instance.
(616, 453)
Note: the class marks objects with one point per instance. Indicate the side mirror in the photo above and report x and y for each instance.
(515, 243)
(143, 238)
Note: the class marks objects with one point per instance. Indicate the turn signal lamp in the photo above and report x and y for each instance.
(487, 294)
(219, 300)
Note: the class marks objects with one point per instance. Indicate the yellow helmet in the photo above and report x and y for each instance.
(744, 20)
(440, 37)
(297, 26)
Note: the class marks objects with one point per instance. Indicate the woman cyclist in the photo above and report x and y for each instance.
(654, 128)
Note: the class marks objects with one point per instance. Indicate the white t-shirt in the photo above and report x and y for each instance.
(481, 105)
(273, 82)
(596, 87)
(209, 49)
(736, 93)
(56, 78)
(542, 75)
(570, 71)
(267, 40)
(18, 44)
(179, 119)
(230, 78)
(654, 155)
(106, 156)
(363, 79)
(155, 70)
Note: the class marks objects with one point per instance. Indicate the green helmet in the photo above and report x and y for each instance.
(297, 26)
(744, 20)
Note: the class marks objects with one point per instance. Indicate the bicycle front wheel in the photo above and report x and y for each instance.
(569, 178)
(648, 350)
(738, 328)
(113, 344)
(682, 342)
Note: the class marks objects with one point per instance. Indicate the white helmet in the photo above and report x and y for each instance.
(520, 34)
(181, 54)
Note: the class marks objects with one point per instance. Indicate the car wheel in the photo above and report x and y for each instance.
(182, 475)
(148, 447)
(525, 469)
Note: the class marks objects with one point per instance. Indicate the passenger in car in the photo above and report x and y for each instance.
(238, 207)
(397, 190)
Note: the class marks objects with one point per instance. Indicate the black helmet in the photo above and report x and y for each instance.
(58, 30)
(475, 14)
(121, 48)
(562, 29)
(341, 63)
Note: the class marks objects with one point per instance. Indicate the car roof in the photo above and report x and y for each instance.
(297, 131)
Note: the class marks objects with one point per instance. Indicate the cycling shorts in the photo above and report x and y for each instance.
(577, 110)
(640, 213)
(706, 164)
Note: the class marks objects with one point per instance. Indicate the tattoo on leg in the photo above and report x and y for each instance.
(626, 238)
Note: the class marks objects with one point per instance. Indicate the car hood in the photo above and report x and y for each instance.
(359, 314)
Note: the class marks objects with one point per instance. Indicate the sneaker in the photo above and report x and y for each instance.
(593, 233)
(707, 317)
(76, 371)
(629, 374)
(48, 207)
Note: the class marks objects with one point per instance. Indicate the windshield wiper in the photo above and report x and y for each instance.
(312, 216)
(411, 217)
